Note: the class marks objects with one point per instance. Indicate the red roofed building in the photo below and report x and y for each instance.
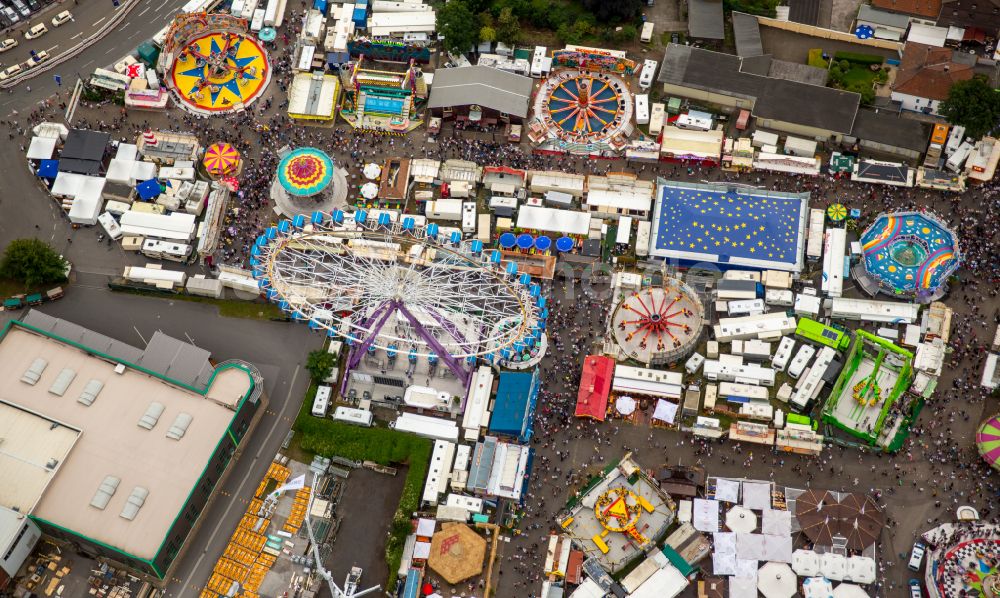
(595, 387)
(925, 75)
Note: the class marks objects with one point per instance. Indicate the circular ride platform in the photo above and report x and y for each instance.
(219, 72)
(585, 108)
(658, 325)
(910, 254)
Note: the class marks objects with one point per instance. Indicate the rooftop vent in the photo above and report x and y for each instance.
(34, 372)
(134, 503)
(90, 392)
(180, 426)
(62, 382)
(120, 369)
(152, 415)
(53, 462)
(105, 491)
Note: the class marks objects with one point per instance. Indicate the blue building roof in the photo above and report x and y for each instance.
(729, 225)
(514, 407)
(411, 589)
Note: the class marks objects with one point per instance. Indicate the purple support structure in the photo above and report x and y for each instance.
(382, 314)
(453, 364)
(448, 325)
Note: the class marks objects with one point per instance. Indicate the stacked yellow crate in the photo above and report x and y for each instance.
(298, 514)
(240, 554)
(219, 584)
(208, 594)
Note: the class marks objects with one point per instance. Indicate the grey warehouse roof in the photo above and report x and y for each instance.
(482, 85)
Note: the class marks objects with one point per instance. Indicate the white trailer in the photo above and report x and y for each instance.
(469, 217)
(444, 209)
(648, 74)
(350, 415)
(745, 307)
(321, 402)
(796, 146)
(957, 159)
(153, 274)
(426, 426)
(762, 138)
(657, 114)
(779, 297)
(165, 250)
(955, 139)
(646, 35)
(770, 326)
(642, 109)
(833, 261)
(810, 386)
(642, 238)
(783, 354)
(814, 244)
(868, 310)
(477, 404)
(753, 392)
(111, 228)
(801, 360)
(733, 369)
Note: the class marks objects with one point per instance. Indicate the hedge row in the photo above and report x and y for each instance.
(859, 58)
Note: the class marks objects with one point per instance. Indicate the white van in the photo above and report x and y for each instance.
(646, 35)
(801, 360)
(916, 556)
(322, 401)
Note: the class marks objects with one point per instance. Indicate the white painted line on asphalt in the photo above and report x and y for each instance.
(144, 11)
(134, 34)
(98, 21)
(52, 48)
(88, 64)
(140, 335)
(77, 35)
(239, 491)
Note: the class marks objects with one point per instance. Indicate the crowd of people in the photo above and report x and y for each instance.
(936, 471)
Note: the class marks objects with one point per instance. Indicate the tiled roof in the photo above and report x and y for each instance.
(929, 72)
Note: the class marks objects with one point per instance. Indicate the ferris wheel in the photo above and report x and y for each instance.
(396, 287)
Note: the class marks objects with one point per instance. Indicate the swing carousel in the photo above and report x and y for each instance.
(216, 66)
(658, 324)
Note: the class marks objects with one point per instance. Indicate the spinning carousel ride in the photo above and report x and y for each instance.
(213, 64)
(658, 324)
(910, 254)
(585, 106)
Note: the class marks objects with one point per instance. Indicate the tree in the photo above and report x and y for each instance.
(320, 363)
(573, 33)
(32, 262)
(614, 12)
(508, 27)
(487, 34)
(458, 25)
(973, 104)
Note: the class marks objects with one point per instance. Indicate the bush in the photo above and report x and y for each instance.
(859, 58)
(320, 363)
(816, 59)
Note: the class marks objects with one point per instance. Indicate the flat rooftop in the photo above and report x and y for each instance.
(32, 448)
(110, 441)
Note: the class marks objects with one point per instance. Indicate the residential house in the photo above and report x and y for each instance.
(705, 20)
(926, 74)
(977, 16)
(887, 25)
(926, 10)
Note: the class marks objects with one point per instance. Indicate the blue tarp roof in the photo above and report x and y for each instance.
(48, 169)
(411, 589)
(148, 189)
(514, 407)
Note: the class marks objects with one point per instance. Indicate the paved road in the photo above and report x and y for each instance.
(148, 17)
(278, 350)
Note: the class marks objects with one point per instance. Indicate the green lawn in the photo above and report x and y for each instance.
(859, 74)
(228, 308)
(323, 436)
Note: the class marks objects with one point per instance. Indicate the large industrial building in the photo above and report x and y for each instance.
(112, 449)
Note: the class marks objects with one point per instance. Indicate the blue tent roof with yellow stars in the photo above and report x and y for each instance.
(729, 226)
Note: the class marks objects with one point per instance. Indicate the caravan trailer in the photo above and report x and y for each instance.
(166, 250)
(814, 244)
(642, 109)
(802, 358)
(648, 74)
(833, 261)
(350, 415)
(321, 403)
(783, 354)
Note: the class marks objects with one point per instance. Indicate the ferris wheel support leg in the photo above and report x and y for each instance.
(453, 364)
(380, 316)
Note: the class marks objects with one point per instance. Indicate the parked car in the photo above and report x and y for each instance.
(10, 15)
(7, 44)
(33, 5)
(11, 71)
(917, 556)
(915, 590)
(36, 31)
(61, 18)
(37, 58)
(21, 7)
